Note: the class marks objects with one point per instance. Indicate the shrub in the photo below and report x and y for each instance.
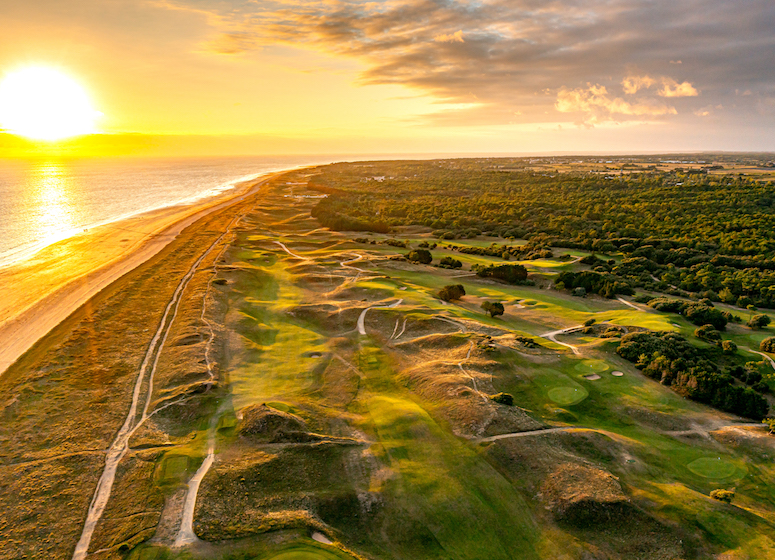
(767, 345)
(493, 308)
(770, 422)
(729, 347)
(708, 333)
(449, 262)
(511, 273)
(452, 292)
(758, 321)
(723, 495)
(420, 255)
(503, 398)
(589, 322)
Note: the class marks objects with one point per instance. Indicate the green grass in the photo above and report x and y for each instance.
(306, 552)
(713, 467)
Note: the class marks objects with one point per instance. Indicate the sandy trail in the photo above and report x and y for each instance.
(120, 445)
(532, 433)
(629, 304)
(287, 250)
(552, 336)
(39, 293)
(362, 316)
(772, 362)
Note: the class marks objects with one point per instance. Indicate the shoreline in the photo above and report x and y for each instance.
(38, 293)
(18, 255)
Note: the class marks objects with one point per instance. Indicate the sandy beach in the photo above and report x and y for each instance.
(38, 293)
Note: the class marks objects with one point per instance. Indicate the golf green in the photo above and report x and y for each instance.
(712, 467)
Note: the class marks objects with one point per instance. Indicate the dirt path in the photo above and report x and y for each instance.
(120, 445)
(533, 433)
(287, 250)
(629, 304)
(551, 336)
(362, 316)
(772, 362)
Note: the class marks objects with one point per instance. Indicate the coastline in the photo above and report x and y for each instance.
(38, 293)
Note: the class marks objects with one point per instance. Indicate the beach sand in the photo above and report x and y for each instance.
(40, 292)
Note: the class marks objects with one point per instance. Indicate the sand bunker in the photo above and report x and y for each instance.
(617, 374)
(592, 377)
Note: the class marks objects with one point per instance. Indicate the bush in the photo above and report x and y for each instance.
(768, 345)
(770, 422)
(511, 273)
(589, 322)
(452, 292)
(707, 333)
(729, 347)
(493, 308)
(449, 262)
(758, 321)
(503, 398)
(723, 495)
(420, 255)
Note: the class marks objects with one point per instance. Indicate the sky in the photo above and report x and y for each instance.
(406, 76)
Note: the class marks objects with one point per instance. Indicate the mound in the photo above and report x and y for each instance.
(265, 424)
(583, 495)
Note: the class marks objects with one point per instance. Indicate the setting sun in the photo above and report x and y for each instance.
(44, 104)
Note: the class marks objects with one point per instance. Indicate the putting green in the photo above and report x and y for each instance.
(304, 552)
(594, 365)
(567, 395)
(712, 467)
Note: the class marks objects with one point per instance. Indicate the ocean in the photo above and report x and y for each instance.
(44, 202)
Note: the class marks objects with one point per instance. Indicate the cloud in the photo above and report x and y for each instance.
(512, 50)
(671, 88)
(598, 105)
(632, 84)
(456, 37)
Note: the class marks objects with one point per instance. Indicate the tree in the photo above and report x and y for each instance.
(511, 273)
(758, 321)
(493, 308)
(729, 347)
(707, 333)
(452, 292)
(449, 262)
(768, 345)
(420, 255)
(770, 424)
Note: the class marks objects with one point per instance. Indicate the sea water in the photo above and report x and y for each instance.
(42, 202)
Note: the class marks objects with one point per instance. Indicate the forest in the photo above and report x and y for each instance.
(685, 233)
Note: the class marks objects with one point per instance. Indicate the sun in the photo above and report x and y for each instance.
(44, 104)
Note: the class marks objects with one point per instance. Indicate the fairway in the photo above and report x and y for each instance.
(710, 467)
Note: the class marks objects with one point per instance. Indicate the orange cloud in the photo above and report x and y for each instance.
(599, 106)
(670, 87)
(456, 37)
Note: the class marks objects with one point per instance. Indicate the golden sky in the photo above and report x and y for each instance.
(432, 76)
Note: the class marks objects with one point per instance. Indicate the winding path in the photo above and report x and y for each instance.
(362, 316)
(772, 362)
(552, 336)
